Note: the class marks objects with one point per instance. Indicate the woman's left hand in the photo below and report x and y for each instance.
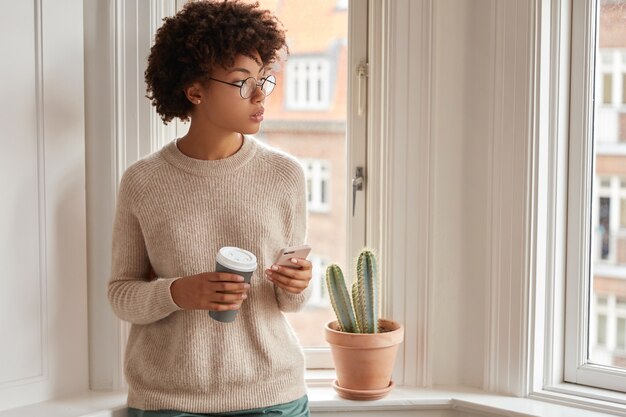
(291, 279)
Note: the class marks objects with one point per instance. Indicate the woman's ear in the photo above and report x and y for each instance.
(194, 93)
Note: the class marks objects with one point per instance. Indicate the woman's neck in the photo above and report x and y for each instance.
(209, 145)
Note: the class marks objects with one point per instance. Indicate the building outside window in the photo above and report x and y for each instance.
(308, 83)
(318, 178)
(306, 116)
(319, 296)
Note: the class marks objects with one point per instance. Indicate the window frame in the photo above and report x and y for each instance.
(381, 25)
(293, 101)
(559, 78)
(318, 171)
(577, 369)
(316, 358)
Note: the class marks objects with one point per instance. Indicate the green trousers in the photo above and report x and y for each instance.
(297, 408)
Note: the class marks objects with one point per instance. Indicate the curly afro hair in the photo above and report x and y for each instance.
(202, 35)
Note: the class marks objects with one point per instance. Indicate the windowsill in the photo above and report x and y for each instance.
(588, 397)
(323, 399)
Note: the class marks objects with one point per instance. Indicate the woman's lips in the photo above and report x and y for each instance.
(258, 116)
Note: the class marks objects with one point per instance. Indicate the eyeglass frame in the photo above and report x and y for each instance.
(262, 82)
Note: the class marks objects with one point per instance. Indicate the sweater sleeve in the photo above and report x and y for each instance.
(133, 297)
(289, 302)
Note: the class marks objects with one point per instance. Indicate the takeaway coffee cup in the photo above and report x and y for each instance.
(235, 261)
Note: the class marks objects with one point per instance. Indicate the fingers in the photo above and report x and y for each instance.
(220, 291)
(222, 286)
(288, 283)
(223, 276)
(291, 279)
(221, 307)
(220, 301)
(301, 269)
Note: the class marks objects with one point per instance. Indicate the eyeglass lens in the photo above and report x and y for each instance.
(249, 86)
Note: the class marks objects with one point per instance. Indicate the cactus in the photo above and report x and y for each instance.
(366, 302)
(365, 296)
(340, 299)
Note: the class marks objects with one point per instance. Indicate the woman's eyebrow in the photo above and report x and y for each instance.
(246, 71)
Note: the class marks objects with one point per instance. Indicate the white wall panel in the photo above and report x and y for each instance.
(121, 127)
(21, 257)
(43, 320)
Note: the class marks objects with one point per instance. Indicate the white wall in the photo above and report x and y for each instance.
(457, 90)
(460, 207)
(43, 308)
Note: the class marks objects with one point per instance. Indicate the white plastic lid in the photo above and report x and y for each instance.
(237, 259)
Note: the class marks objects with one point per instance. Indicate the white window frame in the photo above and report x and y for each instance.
(581, 173)
(596, 248)
(313, 72)
(616, 194)
(318, 172)
(562, 84)
(356, 137)
(319, 297)
(612, 61)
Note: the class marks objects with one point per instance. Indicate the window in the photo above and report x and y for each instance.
(319, 297)
(611, 82)
(318, 178)
(308, 83)
(607, 90)
(307, 116)
(342, 5)
(596, 243)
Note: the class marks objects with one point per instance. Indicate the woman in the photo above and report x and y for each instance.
(176, 208)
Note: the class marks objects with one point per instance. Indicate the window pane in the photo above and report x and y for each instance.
(601, 330)
(607, 88)
(621, 333)
(306, 117)
(604, 227)
(609, 198)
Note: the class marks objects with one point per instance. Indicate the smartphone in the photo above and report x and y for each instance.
(283, 257)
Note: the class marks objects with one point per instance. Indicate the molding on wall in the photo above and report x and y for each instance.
(160, 133)
(548, 314)
(120, 131)
(132, 140)
(511, 194)
(119, 162)
(399, 155)
(44, 349)
(41, 174)
(44, 142)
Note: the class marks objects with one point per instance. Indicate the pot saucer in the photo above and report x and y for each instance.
(363, 394)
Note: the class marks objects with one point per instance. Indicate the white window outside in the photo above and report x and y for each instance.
(308, 83)
(609, 223)
(318, 176)
(319, 296)
(611, 95)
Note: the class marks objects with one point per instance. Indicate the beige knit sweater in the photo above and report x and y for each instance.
(174, 213)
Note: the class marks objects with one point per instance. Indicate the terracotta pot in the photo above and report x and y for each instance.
(364, 362)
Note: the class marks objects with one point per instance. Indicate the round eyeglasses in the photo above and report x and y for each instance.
(248, 86)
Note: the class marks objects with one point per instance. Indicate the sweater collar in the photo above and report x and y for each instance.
(205, 168)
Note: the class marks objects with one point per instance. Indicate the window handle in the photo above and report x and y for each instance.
(357, 185)
(361, 72)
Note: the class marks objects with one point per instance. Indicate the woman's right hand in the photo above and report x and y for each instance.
(215, 291)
